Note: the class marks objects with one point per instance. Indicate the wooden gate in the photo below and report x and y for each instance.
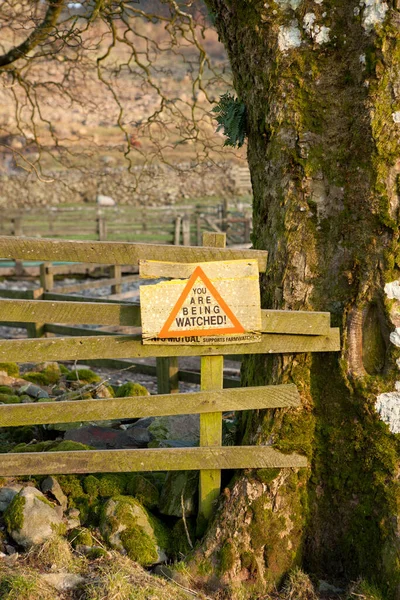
(282, 332)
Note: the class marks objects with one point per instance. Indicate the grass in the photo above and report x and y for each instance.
(24, 585)
(298, 587)
(122, 579)
(362, 590)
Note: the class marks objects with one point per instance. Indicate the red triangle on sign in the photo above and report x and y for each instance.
(198, 273)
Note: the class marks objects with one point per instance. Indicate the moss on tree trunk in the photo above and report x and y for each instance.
(321, 85)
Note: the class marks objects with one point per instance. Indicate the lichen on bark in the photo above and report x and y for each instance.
(323, 151)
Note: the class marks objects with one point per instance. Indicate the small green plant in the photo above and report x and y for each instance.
(231, 118)
(365, 590)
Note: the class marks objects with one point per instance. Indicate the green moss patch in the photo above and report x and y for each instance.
(49, 375)
(9, 399)
(84, 376)
(12, 369)
(139, 546)
(131, 389)
(5, 389)
(80, 536)
(14, 514)
(69, 445)
(140, 534)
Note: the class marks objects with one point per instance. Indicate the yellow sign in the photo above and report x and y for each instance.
(214, 303)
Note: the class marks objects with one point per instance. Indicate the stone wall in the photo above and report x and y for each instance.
(158, 185)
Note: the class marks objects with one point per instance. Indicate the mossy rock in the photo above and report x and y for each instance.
(9, 399)
(127, 526)
(143, 490)
(52, 370)
(106, 485)
(64, 370)
(131, 389)
(37, 447)
(14, 513)
(5, 389)
(179, 484)
(84, 376)
(36, 378)
(19, 435)
(89, 507)
(68, 445)
(31, 519)
(49, 375)
(50, 446)
(80, 536)
(12, 369)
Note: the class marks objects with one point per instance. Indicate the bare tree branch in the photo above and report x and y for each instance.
(39, 35)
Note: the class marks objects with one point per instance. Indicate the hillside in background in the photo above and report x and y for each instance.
(128, 117)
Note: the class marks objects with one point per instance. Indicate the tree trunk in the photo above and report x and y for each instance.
(321, 83)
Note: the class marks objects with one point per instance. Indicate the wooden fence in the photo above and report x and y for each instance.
(283, 332)
(179, 225)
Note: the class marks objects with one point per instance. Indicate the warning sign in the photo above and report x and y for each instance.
(218, 303)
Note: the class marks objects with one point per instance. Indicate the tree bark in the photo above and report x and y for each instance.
(321, 84)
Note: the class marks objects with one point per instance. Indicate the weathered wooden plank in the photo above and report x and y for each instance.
(71, 330)
(212, 370)
(153, 269)
(117, 253)
(122, 346)
(71, 298)
(205, 403)
(298, 322)
(273, 321)
(154, 459)
(47, 311)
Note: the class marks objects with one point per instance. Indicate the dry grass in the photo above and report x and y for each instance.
(299, 587)
(55, 554)
(119, 578)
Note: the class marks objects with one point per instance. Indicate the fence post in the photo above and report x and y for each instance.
(247, 231)
(101, 227)
(36, 330)
(46, 276)
(212, 372)
(186, 230)
(224, 214)
(177, 234)
(116, 273)
(198, 230)
(167, 375)
(17, 231)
